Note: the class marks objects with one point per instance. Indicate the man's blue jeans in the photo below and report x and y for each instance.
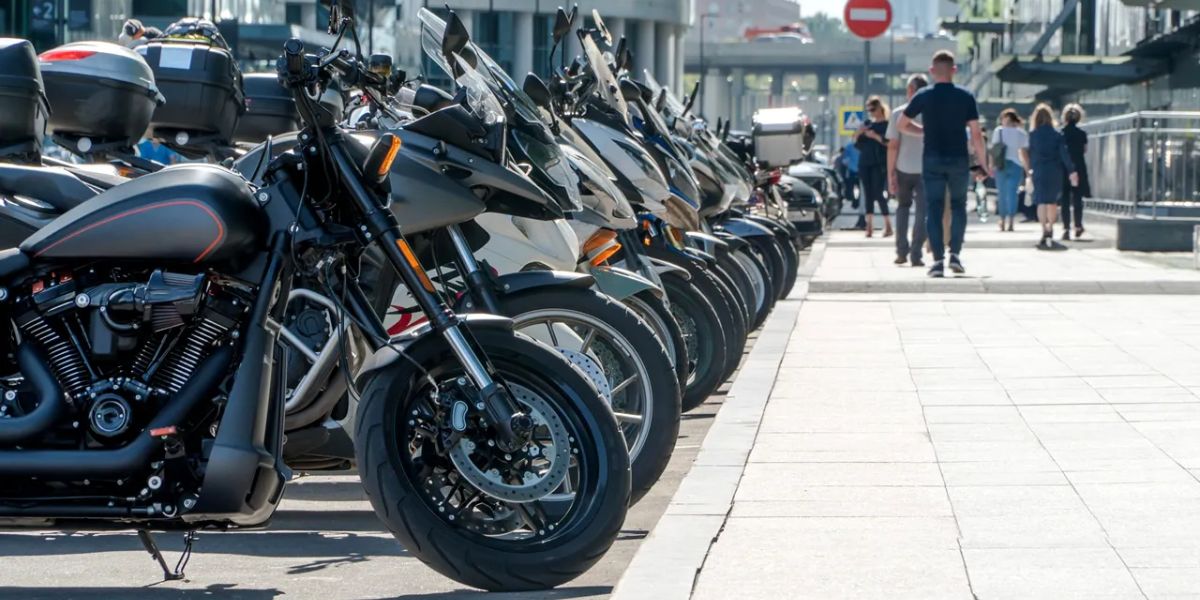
(942, 174)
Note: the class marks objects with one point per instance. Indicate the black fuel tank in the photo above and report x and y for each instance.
(199, 214)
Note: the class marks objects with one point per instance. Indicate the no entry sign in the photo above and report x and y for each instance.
(867, 18)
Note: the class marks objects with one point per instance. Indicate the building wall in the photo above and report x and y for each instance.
(729, 19)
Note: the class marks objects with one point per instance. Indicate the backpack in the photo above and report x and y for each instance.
(999, 150)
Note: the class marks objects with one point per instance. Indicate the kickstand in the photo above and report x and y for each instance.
(148, 543)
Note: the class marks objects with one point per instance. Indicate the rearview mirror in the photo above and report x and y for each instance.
(456, 36)
(622, 56)
(630, 91)
(537, 91)
(691, 98)
(338, 10)
(563, 23)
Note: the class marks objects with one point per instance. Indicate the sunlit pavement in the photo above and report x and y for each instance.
(1020, 443)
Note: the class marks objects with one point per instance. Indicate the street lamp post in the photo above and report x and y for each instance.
(703, 66)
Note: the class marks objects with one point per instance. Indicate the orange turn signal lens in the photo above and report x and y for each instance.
(412, 261)
(392, 150)
(605, 254)
(599, 240)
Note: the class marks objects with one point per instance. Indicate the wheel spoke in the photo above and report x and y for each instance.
(532, 514)
(624, 384)
(587, 340)
(628, 418)
(553, 336)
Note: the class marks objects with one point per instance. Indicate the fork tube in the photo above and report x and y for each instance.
(381, 224)
(478, 281)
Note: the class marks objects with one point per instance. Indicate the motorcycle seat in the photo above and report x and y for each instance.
(12, 260)
(53, 185)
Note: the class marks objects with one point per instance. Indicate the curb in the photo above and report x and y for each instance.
(667, 563)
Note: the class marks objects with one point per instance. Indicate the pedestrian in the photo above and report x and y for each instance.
(1010, 159)
(1073, 195)
(850, 156)
(872, 163)
(1049, 165)
(904, 180)
(945, 167)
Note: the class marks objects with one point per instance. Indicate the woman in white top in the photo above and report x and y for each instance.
(1011, 171)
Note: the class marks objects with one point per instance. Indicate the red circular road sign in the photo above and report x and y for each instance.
(867, 18)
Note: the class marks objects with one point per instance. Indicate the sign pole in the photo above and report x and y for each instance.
(866, 93)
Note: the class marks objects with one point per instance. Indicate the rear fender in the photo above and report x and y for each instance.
(622, 283)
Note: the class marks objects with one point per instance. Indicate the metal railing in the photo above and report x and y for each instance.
(1145, 164)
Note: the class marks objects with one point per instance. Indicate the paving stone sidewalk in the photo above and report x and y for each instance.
(949, 445)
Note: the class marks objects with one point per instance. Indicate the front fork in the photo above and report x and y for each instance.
(379, 224)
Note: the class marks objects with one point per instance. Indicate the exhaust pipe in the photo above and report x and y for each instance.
(118, 462)
(50, 406)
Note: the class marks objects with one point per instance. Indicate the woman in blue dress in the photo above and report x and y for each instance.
(1049, 165)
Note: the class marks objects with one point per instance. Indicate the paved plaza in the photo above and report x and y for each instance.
(1033, 439)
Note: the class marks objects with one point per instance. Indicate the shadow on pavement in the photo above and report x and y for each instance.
(339, 548)
(555, 594)
(218, 590)
(349, 490)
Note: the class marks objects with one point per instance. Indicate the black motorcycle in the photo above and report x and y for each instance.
(145, 385)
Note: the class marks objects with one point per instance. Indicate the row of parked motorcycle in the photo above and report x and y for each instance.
(492, 300)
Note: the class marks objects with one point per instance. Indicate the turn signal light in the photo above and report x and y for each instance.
(412, 261)
(601, 246)
(382, 154)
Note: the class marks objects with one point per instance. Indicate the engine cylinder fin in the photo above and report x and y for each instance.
(63, 357)
(178, 366)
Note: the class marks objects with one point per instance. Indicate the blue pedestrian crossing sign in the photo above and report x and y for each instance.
(852, 117)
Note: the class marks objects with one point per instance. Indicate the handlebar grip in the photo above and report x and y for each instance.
(293, 52)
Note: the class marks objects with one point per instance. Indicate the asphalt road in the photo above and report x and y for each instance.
(324, 542)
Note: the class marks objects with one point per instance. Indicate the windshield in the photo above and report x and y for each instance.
(673, 104)
(536, 143)
(606, 82)
(480, 98)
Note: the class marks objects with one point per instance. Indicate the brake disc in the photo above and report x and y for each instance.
(592, 369)
(540, 479)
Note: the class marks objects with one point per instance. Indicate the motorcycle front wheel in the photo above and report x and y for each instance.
(626, 360)
(704, 339)
(498, 519)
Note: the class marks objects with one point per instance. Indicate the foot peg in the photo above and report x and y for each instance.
(148, 543)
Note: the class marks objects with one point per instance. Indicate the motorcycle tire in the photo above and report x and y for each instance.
(653, 310)
(652, 428)
(760, 281)
(402, 487)
(736, 280)
(704, 337)
(791, 259)
(745, 290)
(767, 250)
(739, 329)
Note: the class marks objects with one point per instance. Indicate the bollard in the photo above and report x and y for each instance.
(1196, 246)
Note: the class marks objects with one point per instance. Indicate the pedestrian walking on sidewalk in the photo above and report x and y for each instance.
(1049, 165)
(1010, 159)
(1073, 195)
(948, 110)
(904, 180)
(872, 163)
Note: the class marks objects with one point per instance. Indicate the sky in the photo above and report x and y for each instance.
(830, 7)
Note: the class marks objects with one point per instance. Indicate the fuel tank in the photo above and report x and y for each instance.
(195, 213)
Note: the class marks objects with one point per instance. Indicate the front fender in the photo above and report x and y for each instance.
(523, 280)
(746, 228)
(734, 242)
(707, 242)
(422, 334)
(663, 267)
(622, 283)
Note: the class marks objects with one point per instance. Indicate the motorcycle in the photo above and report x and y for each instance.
(146, 387)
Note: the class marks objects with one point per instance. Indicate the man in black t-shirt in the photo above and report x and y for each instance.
(949, 112)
